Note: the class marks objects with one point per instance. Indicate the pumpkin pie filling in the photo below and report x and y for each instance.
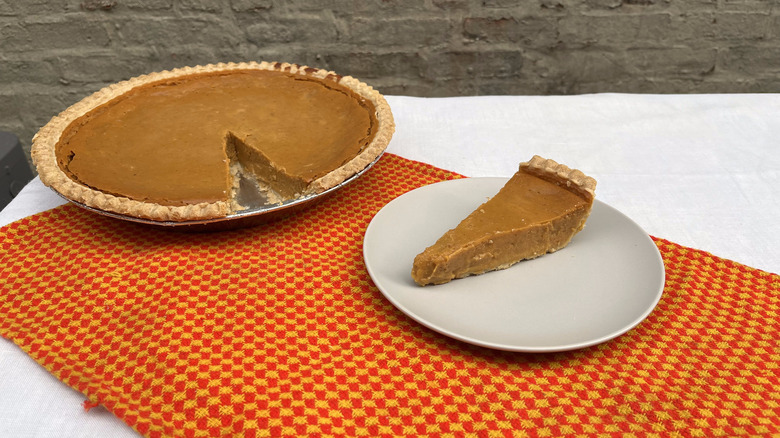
(538, 211)
(184, 138)
(167, 142)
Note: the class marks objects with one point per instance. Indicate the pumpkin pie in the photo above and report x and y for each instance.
(174, 145)
(538, 211)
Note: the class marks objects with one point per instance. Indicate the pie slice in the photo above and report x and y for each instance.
(173, 145)
(538, 211)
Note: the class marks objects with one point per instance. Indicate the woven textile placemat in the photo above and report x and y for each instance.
(277, 330)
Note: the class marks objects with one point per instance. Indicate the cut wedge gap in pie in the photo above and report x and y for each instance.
(538, 211)
(255, 178)
(192, 143)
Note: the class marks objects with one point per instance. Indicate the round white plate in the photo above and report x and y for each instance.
(604, 283)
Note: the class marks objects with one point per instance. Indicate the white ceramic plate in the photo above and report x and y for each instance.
(604, 283)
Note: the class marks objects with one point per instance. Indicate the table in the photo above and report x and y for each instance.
(698, 170)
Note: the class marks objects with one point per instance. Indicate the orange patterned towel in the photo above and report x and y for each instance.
(278, 330)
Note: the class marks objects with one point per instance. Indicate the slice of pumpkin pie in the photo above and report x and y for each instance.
(171, 145)
(538, 211)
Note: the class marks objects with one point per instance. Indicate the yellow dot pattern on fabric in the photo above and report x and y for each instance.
(277, 330)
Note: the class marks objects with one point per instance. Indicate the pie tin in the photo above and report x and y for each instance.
(258, 210)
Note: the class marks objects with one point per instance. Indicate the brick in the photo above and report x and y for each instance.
(649, 6)
(515, 8)
(250, 5)
(612, 30)
(405, 31)
(169, 31)
(57, 33)
(774, 28)
(387, 8)
(603, 4)
(200, 5)
(138, 60)
(743, 26)
(26, 71)
(755, 61)
(716, 26)
(693, 27)
(566, 70)
(148, 4)
(491, 29)
(555, 5)
(96, 68)
(536, 31)
(14, 37)
(672, 62)
(66, 33)
(502, 4)
(40, 7)
(755, 6)
(476, 64)
(451, 4)
(306, 29)
(6, 9)
(98, 5)
(369, 65)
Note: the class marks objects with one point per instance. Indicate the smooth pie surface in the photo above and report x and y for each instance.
(165, 142)
(529, 217)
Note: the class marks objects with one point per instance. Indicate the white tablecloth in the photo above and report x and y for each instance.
(700, 170)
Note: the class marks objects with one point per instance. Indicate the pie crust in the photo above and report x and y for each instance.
(561, 175)
(55, 174)
(538, 211)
